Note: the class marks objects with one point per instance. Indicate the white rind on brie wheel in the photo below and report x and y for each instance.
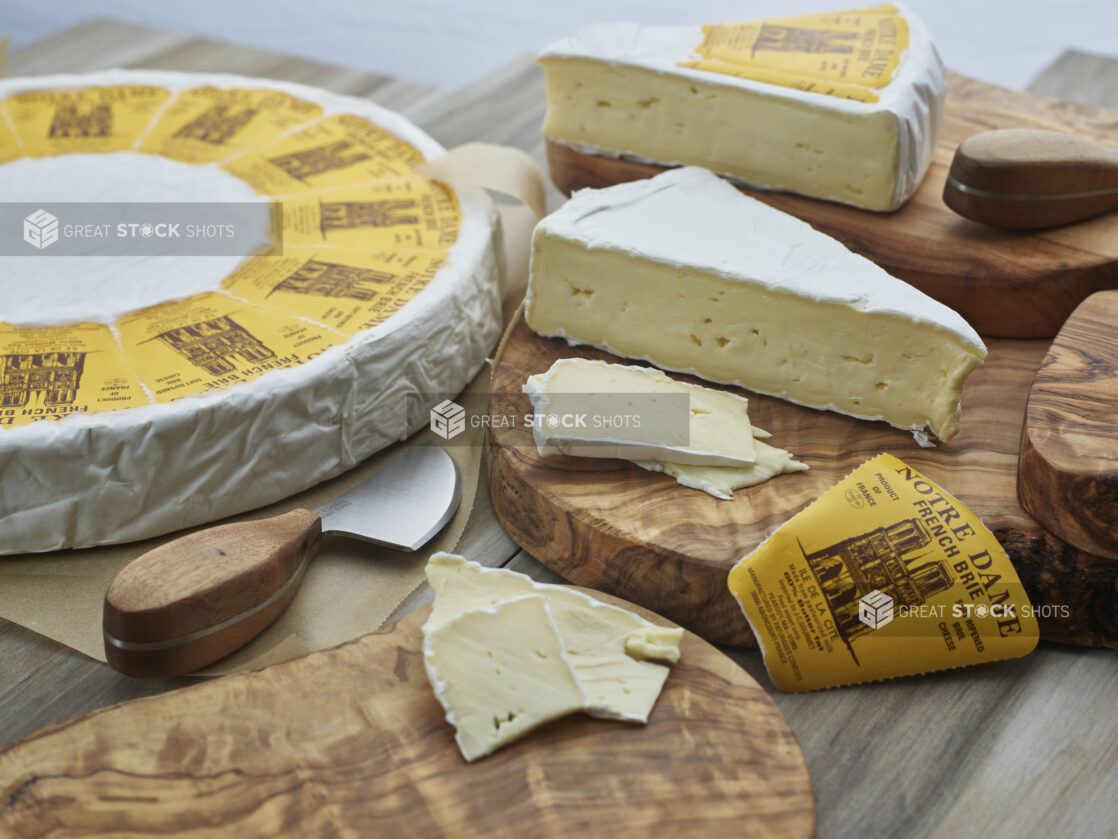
(102, 476)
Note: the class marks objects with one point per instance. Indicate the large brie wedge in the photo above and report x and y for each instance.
(614, 653)
(685, 271)
(844, 106)
(590, 408)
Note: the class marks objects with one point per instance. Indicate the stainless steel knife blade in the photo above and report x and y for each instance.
(403, 505)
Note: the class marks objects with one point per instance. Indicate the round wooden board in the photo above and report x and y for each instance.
(613, 526)
(351, 741)
(1005, 283)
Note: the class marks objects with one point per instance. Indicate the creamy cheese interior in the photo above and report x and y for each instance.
(781, 143)
(500, 672)
(686, 272)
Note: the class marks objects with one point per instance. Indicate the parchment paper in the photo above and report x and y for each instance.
(351, 587)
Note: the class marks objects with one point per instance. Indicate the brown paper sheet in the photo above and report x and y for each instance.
(351, 587)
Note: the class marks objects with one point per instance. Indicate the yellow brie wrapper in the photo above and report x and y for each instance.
(346, 290)
(207, 124)
(50, 372)
(411, 212)
(91, 119)
(340, 151)
(885, 575)
(211, 340)
(847, 54)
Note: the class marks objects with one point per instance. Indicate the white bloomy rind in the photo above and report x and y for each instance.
(693, 221)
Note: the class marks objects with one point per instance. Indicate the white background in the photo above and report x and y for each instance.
(454, 42)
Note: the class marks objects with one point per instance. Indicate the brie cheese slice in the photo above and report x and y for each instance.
(686, 272)
(500, 672)
(614, 653)
(593, 409)
(721, 481)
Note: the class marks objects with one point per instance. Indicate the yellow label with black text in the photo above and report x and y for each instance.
(350, 291)
(885, 575)
(10, 148)
(211, 341)
(339, 151)
(347, 290)
(48, 373)
(92, 119)
(207, 124)
(848, 54)
(411, 212)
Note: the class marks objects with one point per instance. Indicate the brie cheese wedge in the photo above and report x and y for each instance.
(686, 272)
(590, 408)
(844, 106)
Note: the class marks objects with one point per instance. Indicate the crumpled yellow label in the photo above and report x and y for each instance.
(207, 124)
(885, 575)
(92, 119)
(340, 151)
(211, 341)
(50, 372)
(847, 54)
(347, 290)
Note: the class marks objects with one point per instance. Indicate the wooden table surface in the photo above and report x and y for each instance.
(1019, 748)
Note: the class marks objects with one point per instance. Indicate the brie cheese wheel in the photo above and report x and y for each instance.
(614, 653)
(844, 106)
(686, 272)
(500, 672)
(139, 394)
(590, 408)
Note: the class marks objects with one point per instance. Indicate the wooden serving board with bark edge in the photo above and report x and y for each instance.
(351, 741)
(1005, 283)
(613, 526)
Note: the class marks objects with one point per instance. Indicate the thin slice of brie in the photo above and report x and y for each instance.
(721, 481)
(500, 672)
(609, 648)
(593, 409)
(685, 271)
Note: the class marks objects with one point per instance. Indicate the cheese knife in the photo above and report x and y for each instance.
(1027, 178)
(198, 598)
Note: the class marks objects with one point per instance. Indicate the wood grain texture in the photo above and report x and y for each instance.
(1005, 283)
(613, 526)
(1016, 748)
(200, 581)
(351, 742)
(1068, 473)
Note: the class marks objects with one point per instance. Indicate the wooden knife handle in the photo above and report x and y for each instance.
(1025, 178)
(198, 598)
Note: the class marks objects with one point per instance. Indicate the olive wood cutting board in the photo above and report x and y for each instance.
(1005, 283)
(616, 527)
(352, 742)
